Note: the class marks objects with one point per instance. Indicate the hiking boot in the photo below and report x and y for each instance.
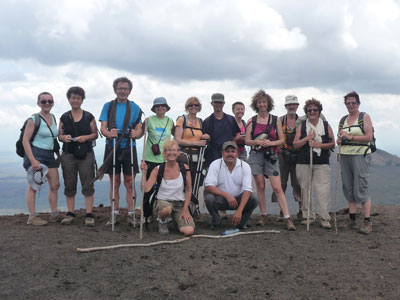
(89, 222)
(366, 228)
(116, 220)
(131, 220)
(304, 222)
(300, 215)
(262, 221)
(163, 228)
(280, 217)
(325, 224)
(289, 224)
(36, 221)
(68, 219)
(348, 224)
(56, 219)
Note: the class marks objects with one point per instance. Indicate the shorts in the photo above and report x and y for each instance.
(44, 156)
(71, 167)
(122, 158)
(261, 165)
(177, 207)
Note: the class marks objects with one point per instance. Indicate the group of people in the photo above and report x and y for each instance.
(288, 146)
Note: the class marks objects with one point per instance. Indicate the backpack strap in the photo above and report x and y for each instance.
(160, 175)
(341, 122)
(361, 121)
(254, 123)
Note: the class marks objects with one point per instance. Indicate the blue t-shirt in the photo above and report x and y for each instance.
(119, 118)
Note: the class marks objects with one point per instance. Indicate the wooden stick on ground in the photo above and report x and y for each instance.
(87, 250)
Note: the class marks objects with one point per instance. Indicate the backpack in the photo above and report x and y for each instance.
(371, 145)
(19, 146)
(184, 125)
(161, 168)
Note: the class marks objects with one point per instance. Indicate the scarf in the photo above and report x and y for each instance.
(319, 131)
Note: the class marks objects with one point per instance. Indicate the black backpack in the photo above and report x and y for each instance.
(372, 144)
(18, 145)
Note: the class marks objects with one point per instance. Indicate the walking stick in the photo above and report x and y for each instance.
(133, 187)
(336, 189)
(143, 180)
(113, 188)
(310, 190)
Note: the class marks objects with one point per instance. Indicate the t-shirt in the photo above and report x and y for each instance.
(119, 118)
(157, 134)
(189, 134)
(43, 139)
(220, 131)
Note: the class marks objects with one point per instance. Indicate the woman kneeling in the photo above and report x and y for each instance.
(174, 191)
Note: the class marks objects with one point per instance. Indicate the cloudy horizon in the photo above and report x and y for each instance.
(179, 49)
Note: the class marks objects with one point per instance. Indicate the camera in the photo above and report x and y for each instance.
(268, 155)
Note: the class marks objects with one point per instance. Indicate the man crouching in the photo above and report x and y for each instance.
(228, 187)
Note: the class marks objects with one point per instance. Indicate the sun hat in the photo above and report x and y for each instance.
(229, 144)
(218, 97)
(37, 179)
(160, 101)
(291, 99)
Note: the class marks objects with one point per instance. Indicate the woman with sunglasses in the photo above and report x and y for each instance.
(317, 134)
(39, 151)
(264, 134)
(189, 135)
(354, 139)
(77, 131)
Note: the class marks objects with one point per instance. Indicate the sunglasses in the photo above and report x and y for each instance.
(351, 103)
(312, 110)
(159, 105)
(193, 105)
(46, 101)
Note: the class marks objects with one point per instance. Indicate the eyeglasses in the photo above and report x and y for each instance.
(46, 101)
(351, 103)
(312, 110)
(159, 105)
(193, 105)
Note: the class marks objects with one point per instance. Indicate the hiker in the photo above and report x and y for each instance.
(39, 155)
(264, 135)
(238, 110)
(77, 131)
(120, 121)
(317, 134)
(354, 140)
(173, 190)
(189, 135)
(228, 187)
(219, 128)
(159, 128)
(288, 155)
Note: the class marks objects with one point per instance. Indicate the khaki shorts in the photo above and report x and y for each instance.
(177, 207)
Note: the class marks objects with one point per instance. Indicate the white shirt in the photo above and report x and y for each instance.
(172, 190)
(233, 183)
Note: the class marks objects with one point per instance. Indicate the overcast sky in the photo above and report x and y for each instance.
(178, 49)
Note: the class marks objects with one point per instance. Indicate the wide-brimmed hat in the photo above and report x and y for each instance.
(229, 144)
(37, 179)
(160, 101)
(218, 97)
(291, 99)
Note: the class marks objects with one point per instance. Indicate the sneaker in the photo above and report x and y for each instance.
(89, 222)
(68, 219)
(163, 228)
(348, 224)
(325, 224)
(280, 217)
(36, 221)
(262, 221)
(304, 222)
(131, 220)
(366, 228)
(116, 220)
(56, 219)
(289, 224)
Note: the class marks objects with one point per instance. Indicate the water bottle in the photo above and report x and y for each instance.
(230, 231)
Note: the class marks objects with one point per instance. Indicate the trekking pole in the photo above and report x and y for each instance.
(143, 180)
(310, 190)
(113, 187)
(133, 187)
(336, 188)
(197, 177)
